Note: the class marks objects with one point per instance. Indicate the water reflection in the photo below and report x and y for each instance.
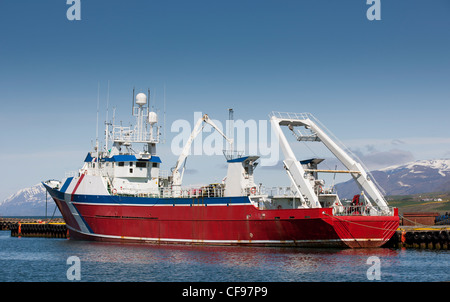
(44, 259)
(195, 263)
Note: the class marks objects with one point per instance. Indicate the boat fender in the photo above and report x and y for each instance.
(416, 237)
(435, 237)
(443, 236)
(423, 237)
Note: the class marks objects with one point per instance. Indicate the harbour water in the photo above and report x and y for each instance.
(46, 260)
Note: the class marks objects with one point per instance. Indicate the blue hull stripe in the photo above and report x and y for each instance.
(115, 199)
(150, 201)
(84, 221)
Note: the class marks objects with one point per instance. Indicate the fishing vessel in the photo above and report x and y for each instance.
(122, 195)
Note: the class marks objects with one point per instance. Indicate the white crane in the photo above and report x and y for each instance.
(296, 172)
(177, 177)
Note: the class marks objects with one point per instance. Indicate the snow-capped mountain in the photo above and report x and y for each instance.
(28, 202)
(422, 176)
(441, 165)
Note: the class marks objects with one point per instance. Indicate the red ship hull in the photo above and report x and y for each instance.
(234, 223)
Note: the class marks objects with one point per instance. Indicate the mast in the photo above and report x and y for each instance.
(107, 122)
(140, 133)
(96, 123)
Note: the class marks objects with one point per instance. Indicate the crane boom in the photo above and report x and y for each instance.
(296, 172)
(356, 169)
(177, 177)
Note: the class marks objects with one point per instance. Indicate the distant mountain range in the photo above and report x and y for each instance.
(28, 202)
(421, 176)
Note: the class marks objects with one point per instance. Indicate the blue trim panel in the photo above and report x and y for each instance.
(237, 160)
(124, 158)
(155, 159)
(66, 184)
(88, 158)
(117, 158)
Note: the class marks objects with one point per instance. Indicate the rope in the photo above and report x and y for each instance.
(53, 214)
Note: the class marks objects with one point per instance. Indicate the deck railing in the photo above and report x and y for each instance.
(198, 192)
(362, 211)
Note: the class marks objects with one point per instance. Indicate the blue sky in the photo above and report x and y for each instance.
(382, 87)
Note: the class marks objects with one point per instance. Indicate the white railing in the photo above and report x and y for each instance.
(362, 211)
(126, 134)
(168, 192)
(197, 192)
(291, 115)
(277, 191)
(232, 154)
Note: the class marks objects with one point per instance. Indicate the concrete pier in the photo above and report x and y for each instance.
(26, 227)
(429, 237)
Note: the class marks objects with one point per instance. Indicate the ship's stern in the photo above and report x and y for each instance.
(360, 231)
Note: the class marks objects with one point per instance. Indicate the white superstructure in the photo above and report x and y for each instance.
(122, 169)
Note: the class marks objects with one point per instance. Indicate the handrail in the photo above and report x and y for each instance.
(365, 210)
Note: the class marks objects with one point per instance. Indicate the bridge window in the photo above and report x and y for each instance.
(141, 164)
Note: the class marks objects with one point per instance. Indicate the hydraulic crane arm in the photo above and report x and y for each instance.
(360, 175)
(296, 171)
(177, 176)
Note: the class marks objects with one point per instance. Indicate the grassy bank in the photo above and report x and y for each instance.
(425, 202)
